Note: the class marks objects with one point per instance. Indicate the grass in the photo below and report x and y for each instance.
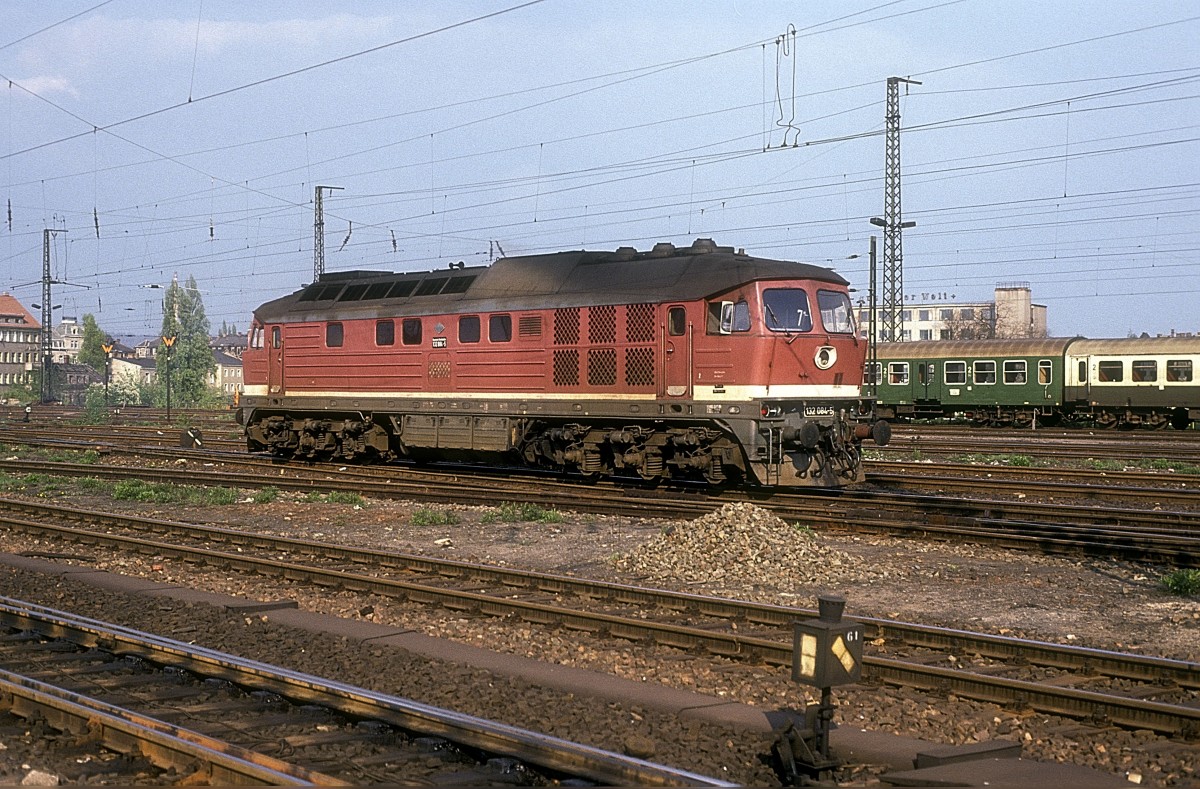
(429, 517)
(334, 497)
(510, 512)
(265, 495)
(159, 493)
(1185, 583)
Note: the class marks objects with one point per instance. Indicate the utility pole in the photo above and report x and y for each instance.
(872, 334)
(319, 233)
(47, 316)
(893, 257)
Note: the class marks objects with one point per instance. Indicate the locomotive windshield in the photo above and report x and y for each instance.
(835, 311)
(786, 310)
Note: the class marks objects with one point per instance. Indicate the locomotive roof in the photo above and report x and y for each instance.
(561, 279)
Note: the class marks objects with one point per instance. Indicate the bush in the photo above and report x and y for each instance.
(265, 495)
(511, 512)
(427, 517)
(1185, 583)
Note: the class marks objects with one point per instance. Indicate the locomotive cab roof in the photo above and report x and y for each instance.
(561, 279)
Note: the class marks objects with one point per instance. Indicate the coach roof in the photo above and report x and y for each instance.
(561, 279)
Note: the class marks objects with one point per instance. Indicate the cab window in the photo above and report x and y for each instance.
(787, 310)
(256, 337)
(836, 314)
(676, 321)
(725, 317)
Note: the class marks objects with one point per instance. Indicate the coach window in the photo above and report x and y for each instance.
(500, 328)
(1045, 372)
(955, 373)
(1015, 371)
(410, 331)
(333, 335)
(1144, 370)
(385, 332)
(1110, 372)
(985, 371)
(676, 321)
(898, 373)
(1179, 370)
(468, 328)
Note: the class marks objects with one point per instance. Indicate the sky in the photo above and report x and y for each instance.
(1053, 144)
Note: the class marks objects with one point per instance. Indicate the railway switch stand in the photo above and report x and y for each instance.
(827, 652)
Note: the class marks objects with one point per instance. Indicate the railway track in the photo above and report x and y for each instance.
(1151, 533)
(185, 706)
(1120, 689)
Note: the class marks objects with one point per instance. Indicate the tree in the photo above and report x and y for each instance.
(187, 362)
(91, 347)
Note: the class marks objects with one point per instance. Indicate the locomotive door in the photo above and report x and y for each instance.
(275, 361)
(677, 353)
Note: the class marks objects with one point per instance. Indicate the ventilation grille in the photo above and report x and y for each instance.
(602, 367)
(639, 323)
(566, 327)
(602, 324)
(566, 367)
(639, 366)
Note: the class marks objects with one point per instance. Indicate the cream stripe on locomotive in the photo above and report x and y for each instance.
(737, 394)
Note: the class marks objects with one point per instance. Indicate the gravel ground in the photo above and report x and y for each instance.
(740, 551)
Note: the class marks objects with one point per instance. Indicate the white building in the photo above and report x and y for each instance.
(936, 316)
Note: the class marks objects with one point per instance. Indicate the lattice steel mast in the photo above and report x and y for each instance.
(892, 312)
(319, 233)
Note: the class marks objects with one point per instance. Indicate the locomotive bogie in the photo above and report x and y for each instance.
(727, 367)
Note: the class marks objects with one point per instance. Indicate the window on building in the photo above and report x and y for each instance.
(898, 373)
(955, 373)
(1045, 372)
(906, 315)
(1110, 372)
(468, 329)
(1144, 370)
(1179, 370)
(968, 313)
(923, 315)
(410, 331)
(985, 371)
(500, 328)
(926, 334)
(1016, 372)
(946, 315)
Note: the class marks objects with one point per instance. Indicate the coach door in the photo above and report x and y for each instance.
(275, 360)
(677, 353)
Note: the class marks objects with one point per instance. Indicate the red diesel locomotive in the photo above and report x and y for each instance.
(695, 363)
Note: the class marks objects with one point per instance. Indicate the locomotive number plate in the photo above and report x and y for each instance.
(818, 410)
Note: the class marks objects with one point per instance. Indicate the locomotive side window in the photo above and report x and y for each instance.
(468, 328)
(276, 337)
(410, 331)
(1015, 371)
(898, 373)
(1111, 372)
(1045, 372)
(720, 317)
(1179, 370)
(676, 321)
(786, 310)
(333, 335)
(954, 373)
(500, 328)
(256, 337)
(385, 332)
(985, 371)
(1144, 370)
(836, 314)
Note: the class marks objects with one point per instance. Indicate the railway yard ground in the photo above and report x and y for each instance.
(739, 550)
